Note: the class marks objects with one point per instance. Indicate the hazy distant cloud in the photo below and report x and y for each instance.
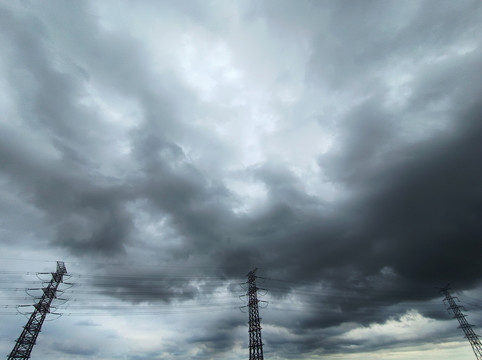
(76, 348)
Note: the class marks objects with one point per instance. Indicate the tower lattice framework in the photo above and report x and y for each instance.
(24, 345)
(471, 336)
(255, 342)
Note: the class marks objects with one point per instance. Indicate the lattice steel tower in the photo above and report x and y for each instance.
(26, 341)
(466, 327)
(255, 342)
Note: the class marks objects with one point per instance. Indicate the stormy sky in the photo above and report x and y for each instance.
(163, 149)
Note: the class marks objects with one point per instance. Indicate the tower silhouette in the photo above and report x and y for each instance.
(471, 336)
(255, 342)
(24, 345)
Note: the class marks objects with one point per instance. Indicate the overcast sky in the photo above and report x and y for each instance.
(163, 149)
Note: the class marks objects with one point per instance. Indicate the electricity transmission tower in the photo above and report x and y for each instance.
(466, 327)
(26, 341)
(255, 342)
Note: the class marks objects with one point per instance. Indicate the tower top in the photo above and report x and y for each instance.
(61, 267)
(252, 272)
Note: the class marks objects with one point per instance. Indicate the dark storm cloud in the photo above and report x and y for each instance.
(368, 131)
(424, 211)
(87, 207)
(417, 203)
(372, 35)
(408, 217)
(198, 208)
(450, 83)
(87, 211)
